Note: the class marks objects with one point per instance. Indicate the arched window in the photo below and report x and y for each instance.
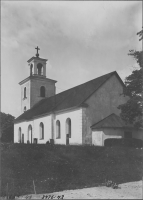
(41, 131)
(29, 134)
(19, 135)
(68, 127)
(31, 69)
(24, 108)
(25, 92)
(40, 69)
(42, 91)
(58, 129)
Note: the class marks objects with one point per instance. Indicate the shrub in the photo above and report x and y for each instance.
(126, 142)
(7, 127)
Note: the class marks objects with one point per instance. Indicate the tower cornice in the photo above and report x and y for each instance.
(38, 78)
(36, 58)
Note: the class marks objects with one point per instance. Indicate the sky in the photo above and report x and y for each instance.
(82, 40)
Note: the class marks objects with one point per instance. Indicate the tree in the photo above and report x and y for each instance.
(7, 127)
(132, 110)
(140, 33)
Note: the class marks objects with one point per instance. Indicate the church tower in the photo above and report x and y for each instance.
(36, 87)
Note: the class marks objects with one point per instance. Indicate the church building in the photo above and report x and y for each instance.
(85, 114)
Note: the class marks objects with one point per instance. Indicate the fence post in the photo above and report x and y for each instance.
(13, 188)
(34, 187)
(7, 191)
(0, 187)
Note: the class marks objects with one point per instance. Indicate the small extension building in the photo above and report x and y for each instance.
(85, 114)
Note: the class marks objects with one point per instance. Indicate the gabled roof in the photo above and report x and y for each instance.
(71, 98)
(112, 121)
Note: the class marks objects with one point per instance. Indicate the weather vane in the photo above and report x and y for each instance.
(37, 54)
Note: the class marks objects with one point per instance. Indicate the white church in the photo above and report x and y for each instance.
(85, 114)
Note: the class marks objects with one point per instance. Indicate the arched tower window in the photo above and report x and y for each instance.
(40, 69)
(41, 131)
(25, 92)
(29, 134)
(42, 91)
(19, 135)
(31, 69)
(68, 127)
(24, 108)
(58, 129)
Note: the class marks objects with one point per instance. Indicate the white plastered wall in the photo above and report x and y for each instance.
(24, 130)
(109, 133)
(76, 126)
(118, 133)
(46, 120)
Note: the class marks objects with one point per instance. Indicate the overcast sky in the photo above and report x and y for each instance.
(81, 40)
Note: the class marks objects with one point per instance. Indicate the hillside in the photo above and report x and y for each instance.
(59, 167)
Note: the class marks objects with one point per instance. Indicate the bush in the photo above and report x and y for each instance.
(51, 142)
(47, 142)
(7, 127)
(126, 142)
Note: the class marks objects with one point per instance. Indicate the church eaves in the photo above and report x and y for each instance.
(71, 98)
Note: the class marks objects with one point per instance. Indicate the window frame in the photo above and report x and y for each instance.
(41, 126)
(19, 135)
(58, 129)
(29, 134)
(25, 93)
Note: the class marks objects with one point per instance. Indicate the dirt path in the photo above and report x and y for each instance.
(132, 190)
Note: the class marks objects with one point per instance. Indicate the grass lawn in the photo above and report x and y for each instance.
(60, 167)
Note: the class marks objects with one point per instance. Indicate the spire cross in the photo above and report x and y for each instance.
(37, 51)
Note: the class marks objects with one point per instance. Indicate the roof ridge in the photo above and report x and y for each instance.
(86, 82)
(73, 88)
(74, 96)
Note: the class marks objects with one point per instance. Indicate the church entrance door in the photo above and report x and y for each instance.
(22, 138)
(67, 139)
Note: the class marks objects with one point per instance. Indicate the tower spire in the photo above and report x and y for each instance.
(37, 55)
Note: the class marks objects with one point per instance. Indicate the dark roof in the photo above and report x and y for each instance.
(112, 121)
(71, 98)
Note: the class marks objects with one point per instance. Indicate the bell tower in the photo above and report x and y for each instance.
(36, 87)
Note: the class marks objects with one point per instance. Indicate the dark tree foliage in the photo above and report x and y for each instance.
(7, 127)
(132, 110)
(140, 33)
